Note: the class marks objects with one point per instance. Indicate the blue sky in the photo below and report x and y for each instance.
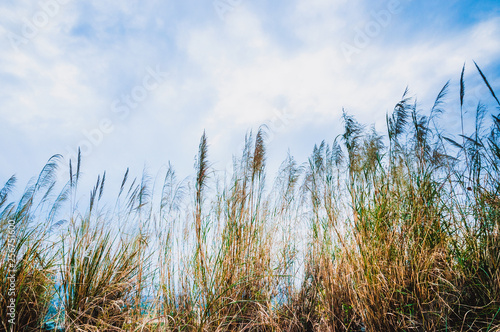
(135, 83)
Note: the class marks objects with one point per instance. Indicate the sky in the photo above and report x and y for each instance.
(135, 83)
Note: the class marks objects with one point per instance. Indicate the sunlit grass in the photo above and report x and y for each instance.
(394, 232)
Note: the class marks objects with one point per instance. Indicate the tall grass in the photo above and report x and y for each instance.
(99, 274)
(26, 259)
(375, 232)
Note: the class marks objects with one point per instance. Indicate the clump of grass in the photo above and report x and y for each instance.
(393, 264)
(238, 270)
(100, 266)
(27, 261)
(99, 274)
(28, 282)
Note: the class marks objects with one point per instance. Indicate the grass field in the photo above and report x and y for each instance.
(375, 232)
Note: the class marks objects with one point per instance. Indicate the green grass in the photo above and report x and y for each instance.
(394, 232)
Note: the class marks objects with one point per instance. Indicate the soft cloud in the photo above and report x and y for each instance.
(225, 76)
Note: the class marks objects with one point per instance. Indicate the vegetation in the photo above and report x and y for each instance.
(374, 233)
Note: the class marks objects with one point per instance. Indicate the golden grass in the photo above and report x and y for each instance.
(374, 233)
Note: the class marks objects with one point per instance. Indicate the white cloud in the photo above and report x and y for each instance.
(317, 82)
(226, 76)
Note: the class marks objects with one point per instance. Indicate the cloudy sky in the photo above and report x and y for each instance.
(135, 83)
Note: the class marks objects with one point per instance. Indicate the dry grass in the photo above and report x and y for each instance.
(374, 233)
